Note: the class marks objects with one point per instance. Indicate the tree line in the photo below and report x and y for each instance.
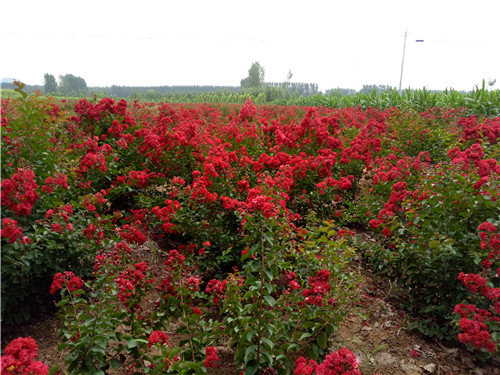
(254, 84)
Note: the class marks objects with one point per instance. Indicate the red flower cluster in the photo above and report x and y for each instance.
(90, 201)
(175, 259)
(291, 280)
(157, 337)
(212, 358)
(475, 331)
(193, 283)
(18, 358)
(197, 311)
(340, 362)
(490, 239)
(474, 282)
(375, 223)
(319, 288)
(472, 158)
(66, 279)
(132, 234)
(303, 367)
(248, 111)
(489, 129)
(64, 213)
(138, 179)
(216, 288)
(52, 182)
(113, 258)
(90, 231)
(19, 192)
(11, 231)
(165, 214)
(98, 111)
(129, 279)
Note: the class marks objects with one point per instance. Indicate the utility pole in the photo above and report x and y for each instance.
(402, 63)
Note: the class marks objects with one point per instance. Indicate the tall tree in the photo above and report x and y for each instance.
(71, 85)
(368, 89)
(255, 77)
(49, 84)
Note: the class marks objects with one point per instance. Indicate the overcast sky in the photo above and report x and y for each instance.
(214, 42)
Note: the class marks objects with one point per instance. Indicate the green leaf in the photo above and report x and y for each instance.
(248, 351)
(174, 351)
(268, 273)
(269, 287)
(322, 340)
(115, 363)
(248, 334)
(313, 352)
(268, 342)
(270, 359)
(305, 335)
(251, 280)
(133, 343)
(309, 324)
(254, 266)
(270, 300)
(329, 329)
(269, 237)
(97, 349)
(238, 355)
(280, 357)
(251, 367)
(185, 365)
(288, 347)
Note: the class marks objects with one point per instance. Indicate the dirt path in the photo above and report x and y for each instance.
(379, 337)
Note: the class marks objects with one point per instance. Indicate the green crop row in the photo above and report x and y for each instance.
(479, 101)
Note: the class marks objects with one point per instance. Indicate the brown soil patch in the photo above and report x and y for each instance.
(378, 335)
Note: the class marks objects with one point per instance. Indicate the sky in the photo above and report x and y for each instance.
(332, 43)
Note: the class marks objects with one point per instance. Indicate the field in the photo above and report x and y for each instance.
(197, 238)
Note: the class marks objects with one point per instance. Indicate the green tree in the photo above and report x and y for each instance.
(368, 89)
(49, 84)
(71, 85)
(255, 77)
(286, 84)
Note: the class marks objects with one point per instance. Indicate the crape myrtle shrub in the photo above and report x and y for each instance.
(79, 179)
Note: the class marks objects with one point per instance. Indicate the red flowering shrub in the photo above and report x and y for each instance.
(480, 326)
(422, 210)
(248, 111)
(245, 186)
